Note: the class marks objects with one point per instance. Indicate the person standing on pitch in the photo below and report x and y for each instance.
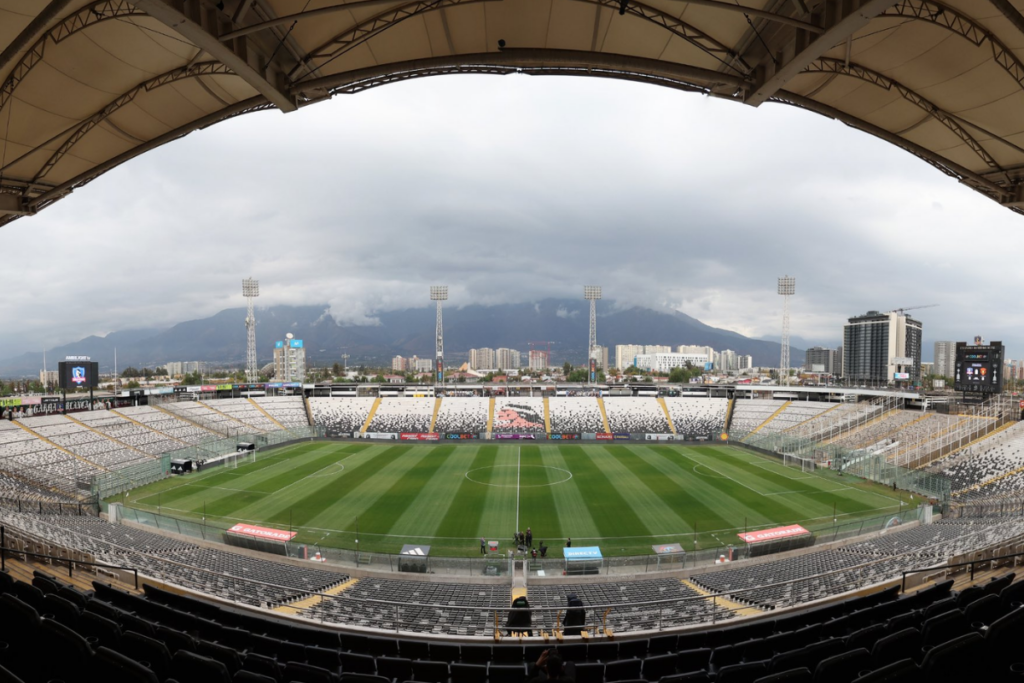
(529, 537)
(483, 545)
(568, 543)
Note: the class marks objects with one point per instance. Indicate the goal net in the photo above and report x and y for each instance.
(235, 459)
(804, 464)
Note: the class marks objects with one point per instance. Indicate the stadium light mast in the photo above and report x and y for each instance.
(439, 294)
(787, 288)
(592, 293)
(250, 290)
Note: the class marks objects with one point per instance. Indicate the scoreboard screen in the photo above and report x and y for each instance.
(978, 368)
(75, 374)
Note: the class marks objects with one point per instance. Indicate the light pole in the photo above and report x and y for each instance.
(592, 293)
(787, 288)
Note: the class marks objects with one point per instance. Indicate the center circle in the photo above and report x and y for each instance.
(524, 486)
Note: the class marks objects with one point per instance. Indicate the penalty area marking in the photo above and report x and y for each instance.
(329, 471)
(709, 476)
(518, 467)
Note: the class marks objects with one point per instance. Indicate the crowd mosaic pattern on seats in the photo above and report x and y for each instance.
(245, 412)
(403, 415)
(575, 415)
(341, 416)
(698, 415)
(518, 415)
(636, 415)
(462, 415)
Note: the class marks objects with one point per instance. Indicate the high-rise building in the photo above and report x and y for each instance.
(507, 359)
(727, 361)
(399, 364)
(945, 358)
(289, 360)
(602, 359)
(48, 378)
(625, 355)
(664, 362)
(746, 362)
(820, 359)
(878, 345)
(838, 369)
(179, 369)
(481, 359)
(539, 359)
(421, 364)
(691, 348)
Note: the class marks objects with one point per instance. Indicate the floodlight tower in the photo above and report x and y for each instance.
(787, 288)
(592, 293)
(250, 290)
(439, 294)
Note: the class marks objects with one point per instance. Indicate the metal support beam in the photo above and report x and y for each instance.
(267, 79)
(798, 48)
(12, 205)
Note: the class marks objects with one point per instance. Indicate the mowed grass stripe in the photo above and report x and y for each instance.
(735, 499)
(537, 496)
(655, 499)
(250, 505)
(461, 518)
(811, 498)
(673, 486)
(192, 489)
(352, 494)
(612, 513)
(571, 502)
(413, 483)
(425, 513)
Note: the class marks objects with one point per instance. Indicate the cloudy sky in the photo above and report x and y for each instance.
(518, 188)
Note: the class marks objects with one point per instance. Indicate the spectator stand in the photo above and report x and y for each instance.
(582, 561)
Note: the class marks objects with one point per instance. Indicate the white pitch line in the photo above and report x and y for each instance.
(519, 469)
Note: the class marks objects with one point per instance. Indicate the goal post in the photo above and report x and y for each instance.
(805, 464)
(233, 460)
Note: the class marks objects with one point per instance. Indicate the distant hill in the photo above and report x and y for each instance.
(221, 337)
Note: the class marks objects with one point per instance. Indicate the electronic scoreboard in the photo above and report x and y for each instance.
(978, 368)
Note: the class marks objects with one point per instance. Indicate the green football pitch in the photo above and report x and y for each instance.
(623, 498)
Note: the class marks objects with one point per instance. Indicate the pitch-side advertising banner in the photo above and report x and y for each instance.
(461, 437)
(262, 532)
(515, 436)
(407, 436)
(773, 534)
(381, 435)
(564, 437)
(658, 437)
(604, 436)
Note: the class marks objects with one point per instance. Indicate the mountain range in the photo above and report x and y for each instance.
(220, 338)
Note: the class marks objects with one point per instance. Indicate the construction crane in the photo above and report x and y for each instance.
(901, 311)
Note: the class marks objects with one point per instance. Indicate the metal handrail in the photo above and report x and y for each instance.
(905, 573)
(71, 563)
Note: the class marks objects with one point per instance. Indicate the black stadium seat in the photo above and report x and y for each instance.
(802, 675)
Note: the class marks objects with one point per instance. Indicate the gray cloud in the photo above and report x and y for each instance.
(513, 189)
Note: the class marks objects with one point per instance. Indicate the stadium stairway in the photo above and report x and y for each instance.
(437, 409)
(266, 414)
(668, 418)
(735, 607)
(490, 416)
(604, 414)
(163, 636)
(237, 423)
(770, 418)
(110, 438)
(295, 608)
(121, 415)
(547, 415)
(728, 414)
(59, 448)
(369, 417)
(812, 417)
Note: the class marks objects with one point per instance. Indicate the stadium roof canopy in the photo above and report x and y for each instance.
(87, 86)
